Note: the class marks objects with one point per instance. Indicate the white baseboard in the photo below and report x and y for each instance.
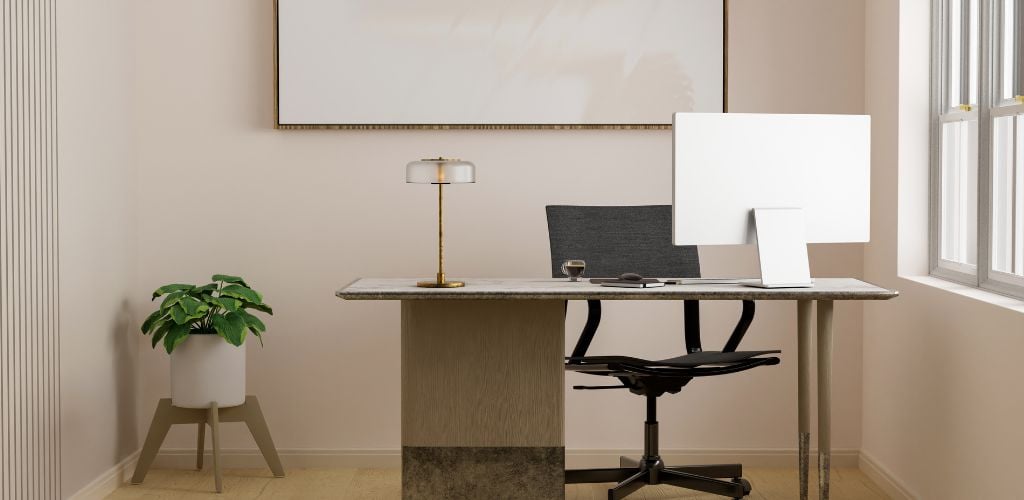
(580, 458)
(107, 482)
(884, 479)
(301, 458)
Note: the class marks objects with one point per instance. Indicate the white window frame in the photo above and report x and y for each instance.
(988, 107)
(944, 111)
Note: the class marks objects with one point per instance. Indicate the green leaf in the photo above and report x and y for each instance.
(161, 331)
(257, 334)
(230, 326)
(188, 310)
(203, 309)
(237, 324)
(259, 307)
(171, 299)
(221, 326)
(205, 288)
(252, 321)
(178, 314)
(152, 320)
(227, 278)
(228, 303)
(242, 292)
(175, 336)
(192, 305)
(174, 287)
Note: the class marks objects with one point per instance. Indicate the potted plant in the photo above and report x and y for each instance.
(203, 329)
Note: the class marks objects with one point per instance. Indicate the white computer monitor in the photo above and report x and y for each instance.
(725, 165)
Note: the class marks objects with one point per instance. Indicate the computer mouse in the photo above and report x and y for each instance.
(630, 277)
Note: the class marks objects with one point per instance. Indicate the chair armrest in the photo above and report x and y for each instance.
(692, 327)
(589, 329)
(742, 325)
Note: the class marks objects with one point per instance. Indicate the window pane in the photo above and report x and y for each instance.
(1008, 195)
(1018, 226)
(964, 46)
(1003, 184)
(1009, 50)
(974, 51)
(955, 42)
(1018, 200)
(959, 193)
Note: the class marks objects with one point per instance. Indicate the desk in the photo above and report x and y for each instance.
(482, 376)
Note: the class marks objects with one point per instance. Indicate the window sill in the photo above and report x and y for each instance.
(974, 293)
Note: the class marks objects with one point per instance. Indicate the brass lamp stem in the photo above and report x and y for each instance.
(440, 233)
(441, 282)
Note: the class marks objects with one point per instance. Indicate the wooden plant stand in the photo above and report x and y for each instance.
(167, 415)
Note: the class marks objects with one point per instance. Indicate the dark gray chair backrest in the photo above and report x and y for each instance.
(616, 240)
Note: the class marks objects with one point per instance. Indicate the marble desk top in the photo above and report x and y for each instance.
(563, 289)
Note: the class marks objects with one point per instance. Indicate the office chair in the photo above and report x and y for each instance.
(638, 239)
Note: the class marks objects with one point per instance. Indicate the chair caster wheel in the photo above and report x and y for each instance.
(746, 486)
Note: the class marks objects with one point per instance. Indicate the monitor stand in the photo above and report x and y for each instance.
(781, 249)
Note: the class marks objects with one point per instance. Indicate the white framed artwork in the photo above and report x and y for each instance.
(498, 63)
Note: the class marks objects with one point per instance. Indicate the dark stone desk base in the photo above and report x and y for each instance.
(472, 473)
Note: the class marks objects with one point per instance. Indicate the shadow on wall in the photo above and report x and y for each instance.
(263, 113)
(125, 338)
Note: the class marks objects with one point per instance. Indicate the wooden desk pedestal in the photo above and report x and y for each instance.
(482, 399)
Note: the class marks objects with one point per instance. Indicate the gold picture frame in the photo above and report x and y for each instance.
(479, 126)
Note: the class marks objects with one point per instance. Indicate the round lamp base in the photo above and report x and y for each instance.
(443, 284)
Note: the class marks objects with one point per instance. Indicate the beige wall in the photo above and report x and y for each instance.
(98, 239)
(301, 213)
(941, 379)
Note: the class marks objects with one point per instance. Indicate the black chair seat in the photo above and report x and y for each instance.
(691, 360)
(684, 368)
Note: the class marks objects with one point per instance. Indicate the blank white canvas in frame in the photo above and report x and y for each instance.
(494, 62)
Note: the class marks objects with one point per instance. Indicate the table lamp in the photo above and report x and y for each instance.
(440, 171)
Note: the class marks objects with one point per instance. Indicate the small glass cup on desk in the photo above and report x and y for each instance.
(573, 268)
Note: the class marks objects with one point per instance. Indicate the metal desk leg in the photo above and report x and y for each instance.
(824, 395)
(803, 321)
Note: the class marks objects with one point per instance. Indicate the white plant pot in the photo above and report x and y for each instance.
(206, 369)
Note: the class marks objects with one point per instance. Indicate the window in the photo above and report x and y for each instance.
(978, 143)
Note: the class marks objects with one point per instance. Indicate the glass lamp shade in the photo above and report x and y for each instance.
(440, 171)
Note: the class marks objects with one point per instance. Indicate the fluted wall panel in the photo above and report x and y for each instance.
(29, 381)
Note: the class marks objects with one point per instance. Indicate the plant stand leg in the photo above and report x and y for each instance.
(215, 436)
(157, 432)
(261, 433)
(200, 445)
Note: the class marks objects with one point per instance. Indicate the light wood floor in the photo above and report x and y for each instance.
(372, 484)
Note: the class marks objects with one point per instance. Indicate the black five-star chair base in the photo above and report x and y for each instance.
(722, 480)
